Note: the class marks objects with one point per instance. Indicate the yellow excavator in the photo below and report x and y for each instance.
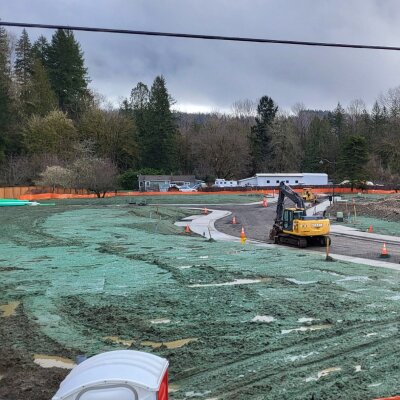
(293, 226)
(309, 195)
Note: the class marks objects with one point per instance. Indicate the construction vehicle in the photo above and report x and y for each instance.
(293, 226)
(309, 195)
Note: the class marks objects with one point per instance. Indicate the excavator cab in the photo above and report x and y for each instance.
(289, 215)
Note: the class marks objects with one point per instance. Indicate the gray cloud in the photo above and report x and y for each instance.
(215, 74)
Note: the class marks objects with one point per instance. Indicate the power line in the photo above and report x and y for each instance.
(203, 37)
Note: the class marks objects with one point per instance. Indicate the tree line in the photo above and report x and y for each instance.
(55, 129)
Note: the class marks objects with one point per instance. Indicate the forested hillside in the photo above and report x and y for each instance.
(54, 128)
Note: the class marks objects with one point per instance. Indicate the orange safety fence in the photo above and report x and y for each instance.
(46, 193)
(389, 398)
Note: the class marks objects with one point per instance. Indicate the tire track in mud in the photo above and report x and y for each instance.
(383, 346)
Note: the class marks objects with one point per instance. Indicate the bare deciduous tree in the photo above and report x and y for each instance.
(221, 148)
(23, 170)
(97, 175)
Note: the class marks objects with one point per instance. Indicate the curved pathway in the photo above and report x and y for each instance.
(342, 248)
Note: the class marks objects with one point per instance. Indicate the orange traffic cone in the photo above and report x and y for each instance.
(234, 222)
(187, 229)
(384, 252)
(264, 202)
(243, 236)
(205, 211)
(370, 230)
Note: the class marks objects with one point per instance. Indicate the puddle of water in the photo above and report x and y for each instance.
(375, 384)
(185, 267)
(397, 297)
(300, 282)
(203, 257)
(300, 356)
(117, 340)
(306, 328)
(233, 283)
(371, 334)
(197, 394)
(53, 361)
(322, 373)
(169, 345)
(354, 278)
(160, 321)
(263, 318)
(358, 368)
(9, 309)
(305, 319)
(173, 387)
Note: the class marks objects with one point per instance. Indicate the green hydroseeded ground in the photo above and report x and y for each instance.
(88, 270)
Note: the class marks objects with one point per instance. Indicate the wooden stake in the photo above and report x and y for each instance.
(328, 245)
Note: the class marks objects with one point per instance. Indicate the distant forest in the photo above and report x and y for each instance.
(53, 128)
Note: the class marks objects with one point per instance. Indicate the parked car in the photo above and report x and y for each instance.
(366, 183)
(184, 188)
(187, 188)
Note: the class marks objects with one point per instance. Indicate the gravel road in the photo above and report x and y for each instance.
(257, 222)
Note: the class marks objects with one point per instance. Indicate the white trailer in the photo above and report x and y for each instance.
(291, 179)
(222, 183)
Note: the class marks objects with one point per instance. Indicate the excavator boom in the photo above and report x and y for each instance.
(287, 191)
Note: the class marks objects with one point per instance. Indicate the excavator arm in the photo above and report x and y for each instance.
(287, 191)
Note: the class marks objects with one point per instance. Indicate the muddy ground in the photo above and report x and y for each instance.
(387, 208)
(233, 321)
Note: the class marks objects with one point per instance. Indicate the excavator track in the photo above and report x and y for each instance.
(301, 242)
(291, 240)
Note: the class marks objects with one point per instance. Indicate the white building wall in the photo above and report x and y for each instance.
(248, 181)
(291, 179)
(276, 179)
(315, 179)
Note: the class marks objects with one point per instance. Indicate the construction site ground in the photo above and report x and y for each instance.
(243, 321)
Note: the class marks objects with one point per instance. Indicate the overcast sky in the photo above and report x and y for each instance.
(209, 75)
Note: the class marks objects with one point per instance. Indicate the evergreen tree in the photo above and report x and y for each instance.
(261, 133)
(23, 62)
(67, 72)
(23, 72)
(316, 149)
(40, 50)
(285, 153)
(5, 92)
(338, 121)
(354, 158)
(139, 106)
(41, 98)
(160, 143)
